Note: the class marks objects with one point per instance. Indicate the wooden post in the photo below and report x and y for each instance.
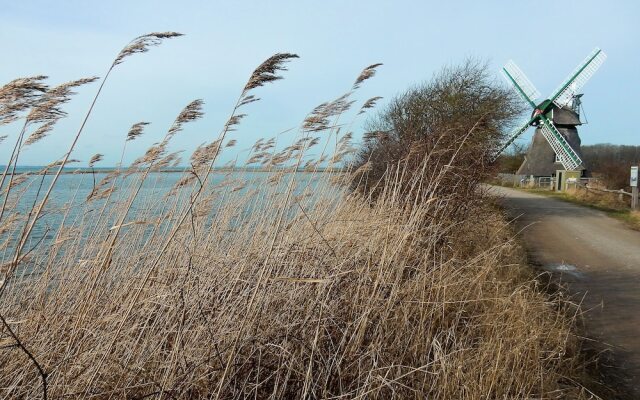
(634, 187)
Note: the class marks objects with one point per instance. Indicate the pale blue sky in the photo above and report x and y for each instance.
(335, 39)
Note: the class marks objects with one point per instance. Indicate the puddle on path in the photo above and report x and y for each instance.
(564, 269)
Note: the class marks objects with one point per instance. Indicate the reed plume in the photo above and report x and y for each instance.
(366, 73)
(266, 72)
(40, 133)
(95, 159)
(20, 95)
(370, 103)
(136, 131)
(49, 108)
(191, 112)
(142, 44)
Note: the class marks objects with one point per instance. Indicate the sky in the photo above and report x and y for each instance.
(225, 41)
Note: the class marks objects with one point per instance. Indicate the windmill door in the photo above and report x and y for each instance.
(559, 176)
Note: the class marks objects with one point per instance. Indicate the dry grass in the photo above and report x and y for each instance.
(632, 218)
(610, 201)
(282, 285)
(401, 309)
(635, 215)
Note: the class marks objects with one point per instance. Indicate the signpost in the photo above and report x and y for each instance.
(633, 182)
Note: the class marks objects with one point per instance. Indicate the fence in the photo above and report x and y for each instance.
(545, 182)
(621, 193)
(542, 182)
(548, 182)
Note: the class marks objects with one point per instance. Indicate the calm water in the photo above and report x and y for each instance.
(71, 191)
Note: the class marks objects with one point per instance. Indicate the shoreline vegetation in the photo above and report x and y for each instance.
(394, 277)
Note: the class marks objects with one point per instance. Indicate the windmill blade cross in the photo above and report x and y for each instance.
(578, 78)
(522, 84)
(568, 157)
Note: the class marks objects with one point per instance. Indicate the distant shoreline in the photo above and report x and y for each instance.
(107, 170)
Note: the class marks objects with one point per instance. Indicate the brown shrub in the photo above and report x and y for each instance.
(445, 130)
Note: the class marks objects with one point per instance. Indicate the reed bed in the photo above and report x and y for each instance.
(282, 284)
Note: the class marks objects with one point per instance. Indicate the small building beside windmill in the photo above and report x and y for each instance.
(541, 160)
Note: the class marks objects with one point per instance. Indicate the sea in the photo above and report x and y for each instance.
(67, 201)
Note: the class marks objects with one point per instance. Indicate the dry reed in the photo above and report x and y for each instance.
(277, 285)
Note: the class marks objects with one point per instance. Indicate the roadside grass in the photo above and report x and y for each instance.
(633, 218)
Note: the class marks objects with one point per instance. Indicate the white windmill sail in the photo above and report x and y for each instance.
(577, 79)
(515, 76)
(513, 135)
(568, 157)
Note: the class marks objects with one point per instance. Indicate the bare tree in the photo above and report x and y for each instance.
(511, 160)
(611, 162)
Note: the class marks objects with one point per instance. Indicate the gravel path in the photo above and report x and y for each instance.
(599, 258)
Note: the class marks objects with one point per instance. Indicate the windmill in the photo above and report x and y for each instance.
(556, 144)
